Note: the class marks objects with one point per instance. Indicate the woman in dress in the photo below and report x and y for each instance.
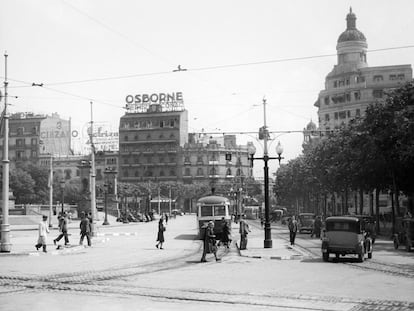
(160, 236)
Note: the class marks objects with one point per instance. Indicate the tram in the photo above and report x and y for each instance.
(213, 208)
(252, 212)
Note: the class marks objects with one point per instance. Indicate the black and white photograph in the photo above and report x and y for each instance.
(207, 155)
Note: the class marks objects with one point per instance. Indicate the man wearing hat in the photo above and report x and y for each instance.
(43, 231)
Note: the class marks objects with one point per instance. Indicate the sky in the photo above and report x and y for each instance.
(236, 53)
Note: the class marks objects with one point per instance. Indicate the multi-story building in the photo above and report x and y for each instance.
(215, 159)
(31, 135)
(150, 136)
(351, 85)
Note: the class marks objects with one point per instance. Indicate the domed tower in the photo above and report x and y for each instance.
(352, 45)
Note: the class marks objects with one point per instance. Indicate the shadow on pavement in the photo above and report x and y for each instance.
(186, 237)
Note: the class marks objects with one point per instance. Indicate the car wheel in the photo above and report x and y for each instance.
(370, 255)
(325, 256)
(361, 256)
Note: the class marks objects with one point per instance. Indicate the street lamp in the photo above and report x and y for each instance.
(105, 223)
(107, 172)
(266, 158)
(62, 188)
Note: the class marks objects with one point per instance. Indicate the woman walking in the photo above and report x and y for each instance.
(160, 236)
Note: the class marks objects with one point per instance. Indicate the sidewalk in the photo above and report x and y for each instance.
(281, 250)
(24, 236)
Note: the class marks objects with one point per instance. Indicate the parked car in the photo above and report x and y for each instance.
(177, 212)
(305, 222)
(344, 235)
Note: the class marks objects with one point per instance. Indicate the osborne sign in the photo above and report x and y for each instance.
(145, 102)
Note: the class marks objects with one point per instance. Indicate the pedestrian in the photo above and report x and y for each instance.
(293, 228)
(317, 225)
(225, 233)
(43, 231)
(209, 241)
(166, 218)
(85, 229)
(244, 231)
(160, 236)
(63, 228)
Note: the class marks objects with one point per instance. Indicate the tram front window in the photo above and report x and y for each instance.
(206, 211)
(219, 210)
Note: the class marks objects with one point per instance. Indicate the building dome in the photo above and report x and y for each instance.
(311, 126)
(351, 33)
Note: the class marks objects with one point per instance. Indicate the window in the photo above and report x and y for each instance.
(326, 100)
(68, 174)
(200, 159)
(378, 78)
(336, 116)
(162, 174)
(33, 154)
(20, 131)
(172, 172)
(360, 79)
(228, 172)
(393, 77)
(342, 115)
(20, 142)
(136, 173)
(219, 210)
(187, 171)
(238, 172)
(126, 173)
(206, 211)
(200, 172)
(347, 81)
(327, 117)
(348, 113)
(335, 84)
(126, 138)
(34, 130)
(377, 93)
(348, 97)
(401, 76)
(357, 95)
(34, 141)
(213, 171)
(358, 112)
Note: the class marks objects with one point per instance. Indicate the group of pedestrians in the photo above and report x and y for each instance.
(85, 227)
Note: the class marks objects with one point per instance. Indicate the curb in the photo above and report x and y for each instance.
(118, 234)
(55, 252)
(291, 257)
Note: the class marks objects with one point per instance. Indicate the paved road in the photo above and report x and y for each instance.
(124, 271)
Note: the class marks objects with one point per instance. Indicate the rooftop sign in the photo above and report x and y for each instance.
(143, 103)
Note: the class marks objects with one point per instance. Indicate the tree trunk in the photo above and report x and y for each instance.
(361, 201)
(377, 209)
(392, 212)
(371, 203)
(346, 202)
(356, 202)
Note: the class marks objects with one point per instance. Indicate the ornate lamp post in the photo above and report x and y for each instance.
(266, 158)
(108, 189)
(62, 188)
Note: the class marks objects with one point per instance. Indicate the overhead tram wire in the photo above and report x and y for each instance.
(216, 67)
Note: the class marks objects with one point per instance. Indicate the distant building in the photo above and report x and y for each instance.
(215, 159)
(151, 134)
(352, 86)
(31, 135)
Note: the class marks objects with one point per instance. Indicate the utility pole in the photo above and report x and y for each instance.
(93, 175)
(5, 226)
(50, 191)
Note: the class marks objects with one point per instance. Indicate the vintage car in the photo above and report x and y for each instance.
(345, 235)
(404, 233)
(305, 222)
